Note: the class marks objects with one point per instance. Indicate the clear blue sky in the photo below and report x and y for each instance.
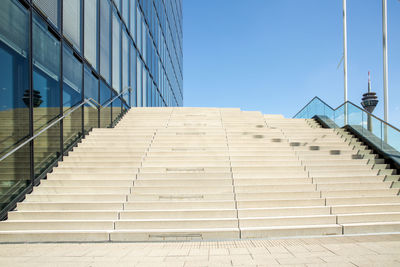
(274, 56)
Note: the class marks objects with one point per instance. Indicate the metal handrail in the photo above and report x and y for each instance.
(89, 101)
(351, 103)
(128, 89)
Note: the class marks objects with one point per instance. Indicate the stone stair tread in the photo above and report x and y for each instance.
(186, 174)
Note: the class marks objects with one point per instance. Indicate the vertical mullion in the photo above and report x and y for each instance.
(31, 144)
(61, 78)
(121, 77)
(111, 57)
(98, 59)
(82, 25)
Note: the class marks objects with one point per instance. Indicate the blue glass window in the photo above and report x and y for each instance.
(105, 40)
(116, 53)
(91, 32)
(72, 21)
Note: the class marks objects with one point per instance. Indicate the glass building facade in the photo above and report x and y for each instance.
(54, 54)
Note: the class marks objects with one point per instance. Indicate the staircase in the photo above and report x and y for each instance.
(167, 174)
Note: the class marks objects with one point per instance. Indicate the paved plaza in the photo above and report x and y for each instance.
(369, 250)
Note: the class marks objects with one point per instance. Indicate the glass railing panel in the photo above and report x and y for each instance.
(46, 149)
(105, 112)
(91, 118)
(354, 116)
(339, 116)
(392, 138)
(376, 131)
(72, 128)
(116, 109)
(14, 175)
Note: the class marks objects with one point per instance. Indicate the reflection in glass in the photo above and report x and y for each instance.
(116, 53)
(116, 108)
(133, 19)
(46, 86)
(91, 91)
(125, 12)
(72, 21)
(139, 30)
(14, 103)
(125, 61)
(50, 8)
(72, 96)
(105, 112)
(105, 40)
(133, 101)
(139, 82)
(90, 28)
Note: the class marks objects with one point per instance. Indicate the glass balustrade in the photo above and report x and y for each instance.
(383, 135)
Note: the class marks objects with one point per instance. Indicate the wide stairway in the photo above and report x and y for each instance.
(166, 174)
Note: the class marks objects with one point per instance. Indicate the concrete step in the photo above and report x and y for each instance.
(271, 181)
(287, 221)
(180, 164)
(180, 224)
(91, 176)
(344, 173)
(287, 211)
(85, 183)
(100, 159)
(354, 200)
(56, 225)
(182, 189)
(184, 175)
(275, 188)
(278, 195)
(354, 186)
(285, 164)
(47, 206)
(96, 170)
(178, 214)
(372, 227)
(76, 197)
(271, 174)
(42, 190)
(366, 208)
(179, 205)
(100, 165)
(360, 193)
(175, 234)
(183, 182)
(349, 179)
(268, 203)
(291, 231)
(54, 236)
(63, 215)
(369, 217)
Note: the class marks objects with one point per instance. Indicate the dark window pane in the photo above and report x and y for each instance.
(91, 32)
(105, 40)
(14, 107)
(125, 61)
(46, 101)
(91, 91)
(72, 21)
(51, 8)
(116, 53)
(105, 114)
(72, 96)
(133, 76)
(116, 108)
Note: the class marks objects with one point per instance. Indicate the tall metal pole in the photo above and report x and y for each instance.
(345, 57)
(385, 65)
